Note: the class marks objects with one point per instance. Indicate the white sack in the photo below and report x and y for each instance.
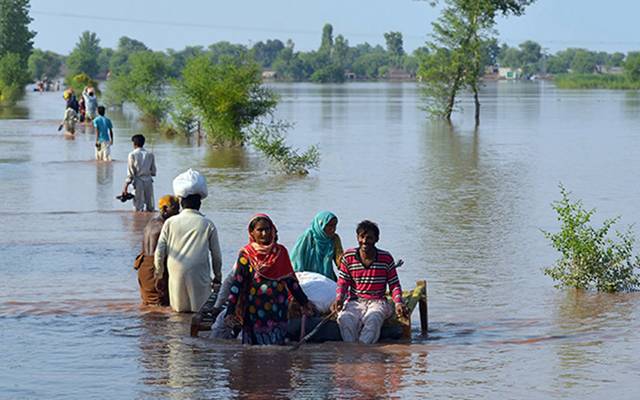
(320, 290)
(190, 182)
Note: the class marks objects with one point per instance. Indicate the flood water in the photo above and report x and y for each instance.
(464, 208)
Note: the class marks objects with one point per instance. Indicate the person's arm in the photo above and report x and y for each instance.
(131, 172)
(343, 285)
(216, 257)
(394, 283)
(240, 278)
(153, 164)
(160, 255)
(337, 250)
(97, 131)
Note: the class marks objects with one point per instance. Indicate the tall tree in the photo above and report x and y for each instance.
(16, 44)
(327, 39)
(460, 37)
(15, 36)
(394, 47)
(84, 57)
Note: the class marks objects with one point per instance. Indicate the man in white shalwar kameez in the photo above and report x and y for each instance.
(189, 248)
(141, 168)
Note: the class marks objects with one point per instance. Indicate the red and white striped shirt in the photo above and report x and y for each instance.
(357, 281)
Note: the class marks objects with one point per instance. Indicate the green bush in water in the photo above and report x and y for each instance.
(142, 84)
(269, 139)
(13, 78)
(590, 259)
(78, 82)
(228, 96)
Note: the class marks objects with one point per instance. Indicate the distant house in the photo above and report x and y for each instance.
(509, 73)
(350, 76)
(603, 69)
(269, 75)
(399, 74)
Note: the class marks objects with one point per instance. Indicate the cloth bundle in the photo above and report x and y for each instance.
(320, 290)
(189, 183)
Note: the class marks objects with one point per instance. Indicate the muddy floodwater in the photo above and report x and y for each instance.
(464, 208)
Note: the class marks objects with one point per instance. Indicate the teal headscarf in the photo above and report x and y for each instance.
(314, 251)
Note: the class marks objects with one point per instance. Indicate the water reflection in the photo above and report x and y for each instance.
(14, 112)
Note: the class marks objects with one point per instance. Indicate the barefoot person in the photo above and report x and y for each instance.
(319, 248)
(364, 275)
(262, 282)
(189, 250)
(104, 136)
(141, 168)
(152, 292)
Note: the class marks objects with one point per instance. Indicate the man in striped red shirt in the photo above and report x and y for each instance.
(364, 275)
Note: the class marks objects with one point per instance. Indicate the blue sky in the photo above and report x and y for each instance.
(162, 24)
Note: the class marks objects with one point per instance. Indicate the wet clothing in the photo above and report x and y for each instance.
(264, 302)
(370, 283)
(258, 296)
(72, 102)
(364, 289)
(314, 251)
(189, 249)
(141, 168)
(103, 151)
(70, 119)
(144, 265)
(361, 320)
(91, 105)
(104, 126)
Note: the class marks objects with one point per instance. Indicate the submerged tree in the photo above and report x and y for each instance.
(16, 44)
(142, 83)
(590, 258)
(84, 57)
(461, 36)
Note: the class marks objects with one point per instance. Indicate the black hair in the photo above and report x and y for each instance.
(101, 110)
(254, 222)
(138, 140)
(192, 201)
(368, 226)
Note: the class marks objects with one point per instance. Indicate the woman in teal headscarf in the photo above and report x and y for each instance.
(319, 247)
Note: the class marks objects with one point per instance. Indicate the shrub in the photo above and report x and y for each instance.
(270, 140)
(228, 96)
(78, 82)
(13, 77)
(590, 259)
(143, 83)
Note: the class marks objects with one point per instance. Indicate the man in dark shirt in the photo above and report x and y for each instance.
(153, 293)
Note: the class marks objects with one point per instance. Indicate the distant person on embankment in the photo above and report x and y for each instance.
(188, 248)
(152, 292)
(141, 168)
(104, 136)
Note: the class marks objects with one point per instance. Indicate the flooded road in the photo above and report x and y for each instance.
(463, 208)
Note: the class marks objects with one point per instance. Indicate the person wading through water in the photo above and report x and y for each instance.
(141, 168)
(189, 250)
(152, 292)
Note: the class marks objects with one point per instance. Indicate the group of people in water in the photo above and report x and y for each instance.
(181, 262)
(86, 110)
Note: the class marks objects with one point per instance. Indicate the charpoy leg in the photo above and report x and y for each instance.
(350, 321)
(377, 311)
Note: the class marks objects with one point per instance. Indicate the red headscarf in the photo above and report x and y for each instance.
(270, 261)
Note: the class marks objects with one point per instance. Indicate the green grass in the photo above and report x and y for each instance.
(595, 81)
